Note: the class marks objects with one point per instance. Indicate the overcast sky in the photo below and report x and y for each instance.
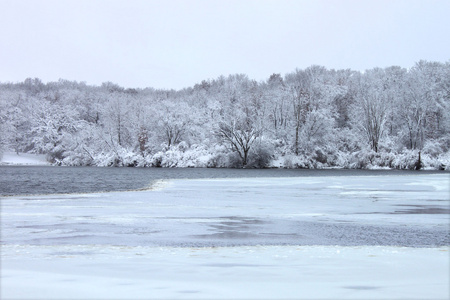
(175, 44)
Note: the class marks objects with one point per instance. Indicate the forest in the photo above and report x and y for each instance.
(310, 118)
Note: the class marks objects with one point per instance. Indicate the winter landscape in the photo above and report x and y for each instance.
(224, 149)
(376, 236)
(334, 237)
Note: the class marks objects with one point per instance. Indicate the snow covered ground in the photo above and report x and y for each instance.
(377, 237)
(12, 158)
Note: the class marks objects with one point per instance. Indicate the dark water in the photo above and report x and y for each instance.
(35, 180)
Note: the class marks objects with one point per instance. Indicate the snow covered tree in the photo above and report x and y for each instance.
(53, 127)
(372, 107)
(277, 98)
(15, 121)
(418, 105)
(315, 117)
(312, 93)
(240, 135)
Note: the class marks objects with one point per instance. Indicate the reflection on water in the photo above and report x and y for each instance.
(32, 180)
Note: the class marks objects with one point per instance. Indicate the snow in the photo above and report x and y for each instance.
(272, 238)
(257, 272)
(12, 158)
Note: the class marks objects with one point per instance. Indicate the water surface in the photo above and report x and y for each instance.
(37, 180)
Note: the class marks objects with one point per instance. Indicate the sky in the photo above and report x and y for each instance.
(173, 44)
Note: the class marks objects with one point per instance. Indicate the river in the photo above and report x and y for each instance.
(37, 180)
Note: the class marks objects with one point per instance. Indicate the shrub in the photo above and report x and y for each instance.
(260, 156)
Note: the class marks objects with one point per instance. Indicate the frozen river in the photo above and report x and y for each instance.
(396, 210)
(375, 235)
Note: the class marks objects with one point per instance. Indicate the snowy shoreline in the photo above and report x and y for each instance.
(27, 159)
(23, 159)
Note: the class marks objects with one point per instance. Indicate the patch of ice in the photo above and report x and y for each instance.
(159, 185)
(436, 185)
(365, 192)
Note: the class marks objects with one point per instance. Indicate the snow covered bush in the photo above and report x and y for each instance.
(156, 160)
(343, 159)
(444, 161)
(406, 160)
(260, 155)
(369, 159)
(292, 161)
(196, 156)
(233, 160)
(436, 147)
(218, 157)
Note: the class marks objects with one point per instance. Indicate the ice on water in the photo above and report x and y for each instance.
(309, 237)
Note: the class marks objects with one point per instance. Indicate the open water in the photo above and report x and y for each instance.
(38, 180)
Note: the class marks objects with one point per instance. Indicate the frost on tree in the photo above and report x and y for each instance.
(309, 118)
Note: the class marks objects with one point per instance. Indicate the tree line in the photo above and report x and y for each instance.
(310, 118)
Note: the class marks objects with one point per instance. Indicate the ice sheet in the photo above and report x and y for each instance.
(254, 272)
(346, 211)
(321, 237)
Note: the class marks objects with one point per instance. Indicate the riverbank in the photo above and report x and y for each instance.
(175, 158)
(23, 159)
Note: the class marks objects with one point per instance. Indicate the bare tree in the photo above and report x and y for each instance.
(373, 119)
(240, 136)
(173, 121)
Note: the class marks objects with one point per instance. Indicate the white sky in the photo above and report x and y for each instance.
(175, 44)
